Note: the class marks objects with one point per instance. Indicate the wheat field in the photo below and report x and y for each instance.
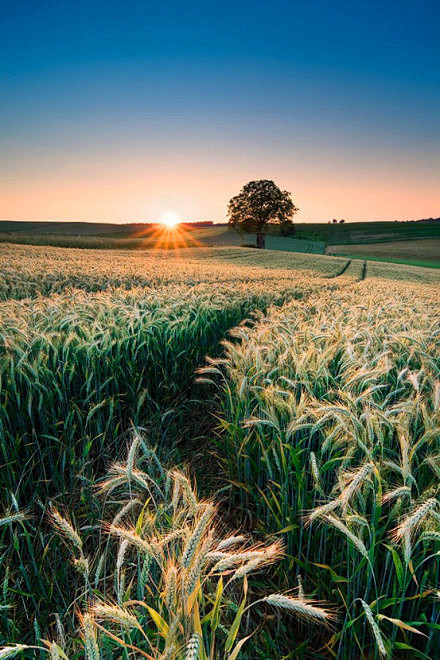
(218, 453)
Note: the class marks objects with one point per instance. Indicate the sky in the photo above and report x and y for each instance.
(123, 111)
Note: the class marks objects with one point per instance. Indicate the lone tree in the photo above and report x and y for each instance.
(259, 204)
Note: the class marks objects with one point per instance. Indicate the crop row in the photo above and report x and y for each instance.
(75, 369)
(331, 435)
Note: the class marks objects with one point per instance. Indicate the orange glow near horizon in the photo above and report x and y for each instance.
(67, 190)
(170, 219)
(166, 235)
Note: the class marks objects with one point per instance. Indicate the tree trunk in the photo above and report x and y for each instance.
(261, 240)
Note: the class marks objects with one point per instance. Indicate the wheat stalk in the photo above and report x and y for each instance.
(194, 540)
(193, 646)
(102, 611)
(88, 628)
(131, 536)
(302, 608)
(413, 521)
(375, 628)
(66, 528)
(355, 540)
(7, 652)
(12, 517)
(231, 540)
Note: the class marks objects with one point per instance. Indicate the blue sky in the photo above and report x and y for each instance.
(122, 111)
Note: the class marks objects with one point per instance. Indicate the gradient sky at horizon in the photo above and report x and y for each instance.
(122, 111)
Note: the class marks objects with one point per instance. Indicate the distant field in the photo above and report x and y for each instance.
(369, 232)
(65, 228)
(331, 234)
(414, 243)
(419, 252)
(141, 240)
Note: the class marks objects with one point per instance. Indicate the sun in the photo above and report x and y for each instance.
(170, 219)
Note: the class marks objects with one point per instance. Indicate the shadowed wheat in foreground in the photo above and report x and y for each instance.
(166, 583)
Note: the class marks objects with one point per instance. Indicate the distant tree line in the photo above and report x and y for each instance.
(422, 220)
(198, 223)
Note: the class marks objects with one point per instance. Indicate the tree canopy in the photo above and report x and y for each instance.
(258, 204)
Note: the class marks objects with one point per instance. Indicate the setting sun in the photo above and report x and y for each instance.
(170, 219)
